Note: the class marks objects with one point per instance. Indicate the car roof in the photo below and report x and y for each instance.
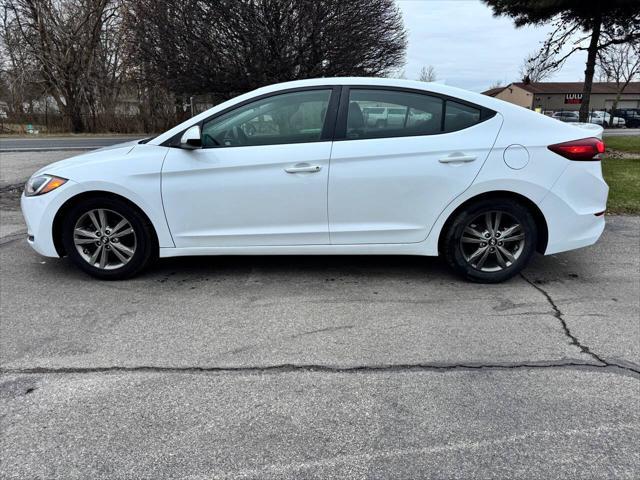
(434, 87)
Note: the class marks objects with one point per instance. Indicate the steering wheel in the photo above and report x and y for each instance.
(234, 137)
(250, 130)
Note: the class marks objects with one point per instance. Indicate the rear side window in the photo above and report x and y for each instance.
(387, 113)
(459, 116)
(379, 113)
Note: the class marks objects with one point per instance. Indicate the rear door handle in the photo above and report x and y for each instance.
(303, 167)
(457, 158)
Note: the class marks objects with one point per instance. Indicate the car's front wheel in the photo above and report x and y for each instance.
(490, 241)
(108, 238)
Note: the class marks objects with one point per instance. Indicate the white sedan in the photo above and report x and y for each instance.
(294, 169)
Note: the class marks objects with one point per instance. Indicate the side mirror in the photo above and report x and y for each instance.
(191, 138)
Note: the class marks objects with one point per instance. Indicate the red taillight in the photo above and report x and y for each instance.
(583, 149)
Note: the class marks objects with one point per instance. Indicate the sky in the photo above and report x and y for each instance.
(470, 48)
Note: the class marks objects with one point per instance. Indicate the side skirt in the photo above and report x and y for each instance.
(365, 249)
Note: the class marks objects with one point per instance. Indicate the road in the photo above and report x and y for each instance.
(321, 367)
(48, 144)
(621, 132)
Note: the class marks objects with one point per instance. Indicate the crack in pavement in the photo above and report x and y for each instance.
(600, 363)
(322, 330)
(557, 313)
(319, 368)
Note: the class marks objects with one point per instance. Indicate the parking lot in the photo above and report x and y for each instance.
(318, 367)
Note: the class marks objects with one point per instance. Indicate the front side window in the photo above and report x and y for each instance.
(295, 117)
(388, 113)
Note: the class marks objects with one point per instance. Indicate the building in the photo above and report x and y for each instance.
(566, 95)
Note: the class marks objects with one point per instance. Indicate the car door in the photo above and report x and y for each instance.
(260, 177)
(389, 184)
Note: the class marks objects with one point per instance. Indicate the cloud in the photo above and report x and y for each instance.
(470, 48)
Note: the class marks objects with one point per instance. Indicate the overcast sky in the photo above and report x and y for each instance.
(470, 48)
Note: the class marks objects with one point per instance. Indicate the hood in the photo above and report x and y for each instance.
(131, 143)
(95, 156)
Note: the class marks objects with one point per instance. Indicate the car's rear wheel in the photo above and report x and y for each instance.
(108, 239)
(490, 241)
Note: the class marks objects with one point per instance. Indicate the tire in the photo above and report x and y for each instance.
(128, 250)
(465, 242)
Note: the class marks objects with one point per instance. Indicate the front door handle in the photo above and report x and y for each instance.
(303, 167)
(457, 158)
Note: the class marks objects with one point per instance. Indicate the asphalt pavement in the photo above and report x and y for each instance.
(320, 367)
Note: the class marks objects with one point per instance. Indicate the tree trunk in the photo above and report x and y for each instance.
(590, 69)
(614, 106)
(77, 126)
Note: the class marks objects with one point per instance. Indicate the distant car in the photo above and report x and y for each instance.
(294, 169)
(605, 119)
(631, 116)
(571, 117)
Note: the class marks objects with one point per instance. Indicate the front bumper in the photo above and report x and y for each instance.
(39, 213)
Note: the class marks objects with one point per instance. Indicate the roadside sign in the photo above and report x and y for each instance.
(573, 98)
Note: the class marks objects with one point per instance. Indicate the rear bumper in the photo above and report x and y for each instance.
(573, 208)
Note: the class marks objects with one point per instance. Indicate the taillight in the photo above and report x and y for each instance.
(583, 149)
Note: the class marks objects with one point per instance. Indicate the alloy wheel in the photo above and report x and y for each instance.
(492, 241)
(104, 239)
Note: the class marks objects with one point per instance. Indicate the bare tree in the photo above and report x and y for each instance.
(399, 73)
(62, 36)
(427, 74)
(256, 42)
(619, 64)
(539, 66)
(19, 76)
(109, 70)
(87, 53)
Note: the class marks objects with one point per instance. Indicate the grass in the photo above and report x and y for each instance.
(623, 177)
(623, 174)
(624, 144)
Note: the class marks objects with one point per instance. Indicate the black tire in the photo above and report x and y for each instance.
(146, 248)
(453, 248)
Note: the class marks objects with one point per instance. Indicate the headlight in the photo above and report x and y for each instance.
(42, 184)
